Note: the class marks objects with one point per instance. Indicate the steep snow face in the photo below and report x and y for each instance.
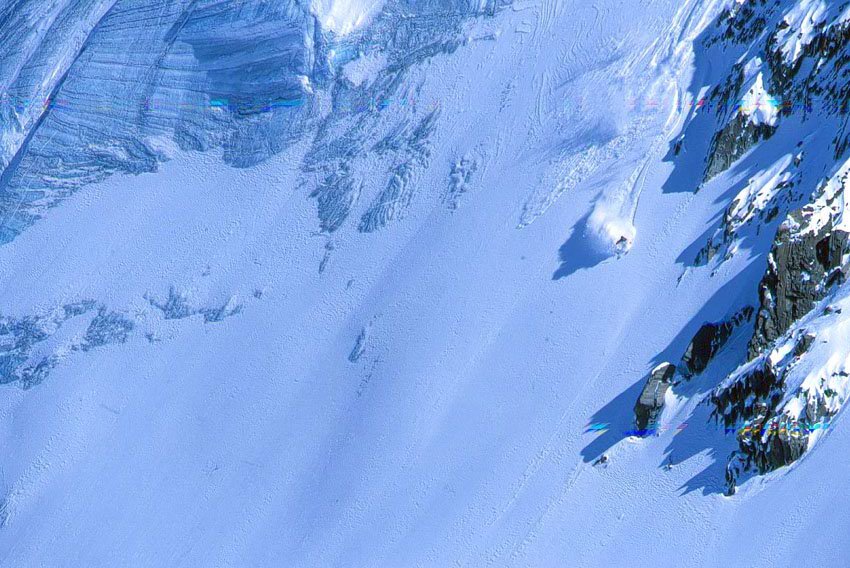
(343, 284)
(759, 192)
(40, 42)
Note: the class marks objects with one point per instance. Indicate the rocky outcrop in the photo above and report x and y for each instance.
(801, 268)
(761, 386)
(710, 338)
(651, 400)
(766, 444)
(790, 66)
(707, 341)
(773, 443)
(771, 413)
(735, 467)
(733, 141)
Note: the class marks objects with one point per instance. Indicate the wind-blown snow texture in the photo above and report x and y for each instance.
(343, 282)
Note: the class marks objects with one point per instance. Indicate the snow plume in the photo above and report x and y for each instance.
(345, 16)
(609, 232)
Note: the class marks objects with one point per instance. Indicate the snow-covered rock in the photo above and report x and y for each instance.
(650, 404)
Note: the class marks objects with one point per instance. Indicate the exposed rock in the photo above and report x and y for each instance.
(735, 466)
(706, 253)
(733, 141)
(789, 380)
(770, 437)
(769, 444)
(766, 445)
(707, 341)
(803, 344)
(801, 267)
(651, 400)
(740, 401)
(710, 338)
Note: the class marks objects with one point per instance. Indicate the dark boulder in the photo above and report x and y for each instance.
(707, 341)
(651, 400)
(710, 338)
(736, 465)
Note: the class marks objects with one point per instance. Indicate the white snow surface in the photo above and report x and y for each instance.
(802, 21)
(343, 17)
(421, 400)
(830, 205)
(364, 69)
(756, 103)
(759, 191)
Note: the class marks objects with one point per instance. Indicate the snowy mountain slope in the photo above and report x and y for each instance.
(379, 340)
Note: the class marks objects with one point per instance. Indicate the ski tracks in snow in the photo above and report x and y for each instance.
(611, 130)
(657, 71)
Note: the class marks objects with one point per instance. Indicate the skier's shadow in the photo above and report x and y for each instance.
(577, 252)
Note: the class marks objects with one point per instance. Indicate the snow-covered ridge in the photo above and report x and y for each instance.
(803, 379)
(792, 199)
